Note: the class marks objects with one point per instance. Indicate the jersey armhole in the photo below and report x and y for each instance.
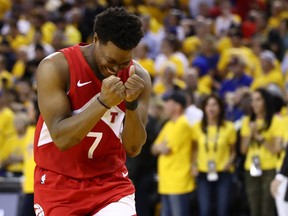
(68, 57)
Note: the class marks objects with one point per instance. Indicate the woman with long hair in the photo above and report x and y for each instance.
(261, 143)
(214, 153)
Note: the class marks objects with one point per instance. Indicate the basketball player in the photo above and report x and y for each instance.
(93, 100)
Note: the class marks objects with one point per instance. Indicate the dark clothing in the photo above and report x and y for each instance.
(218, 192)
(261, 202)
(231, 85)
(284, 171)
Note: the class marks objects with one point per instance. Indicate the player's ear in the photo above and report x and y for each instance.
(95, 37)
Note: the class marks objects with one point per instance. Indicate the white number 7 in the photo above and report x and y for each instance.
(98, 137)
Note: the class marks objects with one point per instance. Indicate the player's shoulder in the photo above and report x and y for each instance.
(56, 60)
(54, 64)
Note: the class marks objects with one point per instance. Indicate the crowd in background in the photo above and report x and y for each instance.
(217, 125)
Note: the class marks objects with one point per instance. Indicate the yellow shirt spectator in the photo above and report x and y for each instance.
(18, 69)
(7, 132)
(28, 158)
(267, 159)
(48, 29)
(18, 41)
(73, 35)
(272, 77)
(174, 169)
(244, 52)
(5, 6)
(215, 145)
(148, 64)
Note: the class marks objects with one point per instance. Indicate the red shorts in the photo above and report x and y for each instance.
(57, 194)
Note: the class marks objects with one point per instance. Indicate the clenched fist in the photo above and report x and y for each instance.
(134, 85)
(112, 91)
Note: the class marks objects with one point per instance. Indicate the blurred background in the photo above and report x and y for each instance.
(227, 48)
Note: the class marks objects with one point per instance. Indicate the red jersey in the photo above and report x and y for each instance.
(101, 152)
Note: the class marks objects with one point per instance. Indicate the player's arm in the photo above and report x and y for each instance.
(66, 130)
(134, 133)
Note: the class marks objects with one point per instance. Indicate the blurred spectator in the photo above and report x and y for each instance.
(238, 77)
(38, 41)
(192, 44)
(279, 184)
(25, 141)
(224, 22)
(150, 38)
(174, 148)
(6, 78)
(58, 41)
(7, 131)
(237, 48)
(167, 81)
(142, 57)
(206, 62)
(213, 157)
(260, 142)
(192, 112)
(270, 73)
(19, 66)
(72, 34)
(170, 50)
(39, 21)
(194, 6)
(172, 24)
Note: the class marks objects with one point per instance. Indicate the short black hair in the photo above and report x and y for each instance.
(122, 28)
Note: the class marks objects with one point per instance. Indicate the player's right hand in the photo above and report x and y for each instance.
(112, 91)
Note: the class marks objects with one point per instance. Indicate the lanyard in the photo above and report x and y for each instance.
(215, 140)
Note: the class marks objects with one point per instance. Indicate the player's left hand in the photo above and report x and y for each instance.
(134, 85)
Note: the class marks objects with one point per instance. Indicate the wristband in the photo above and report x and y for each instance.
(132, 105)
(103, 104)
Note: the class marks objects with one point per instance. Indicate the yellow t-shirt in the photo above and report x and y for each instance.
(282, 154)
(48, 29)
(18, 69)
(244, 52)
(275, 76)
(159, 88)
(73, 35)
(29, 163)
(17, 42)
(215, 145)
(7, 132)
(267, 159)
(148, 64)
(191, 45)
(5, 6)
(174, 169)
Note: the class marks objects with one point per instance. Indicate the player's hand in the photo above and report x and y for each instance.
(112, 91)
(163, 149)
(134, 85)
(274, 187)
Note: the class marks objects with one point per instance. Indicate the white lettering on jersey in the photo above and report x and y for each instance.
(43, 179)
(125, 174)
(38, 210)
